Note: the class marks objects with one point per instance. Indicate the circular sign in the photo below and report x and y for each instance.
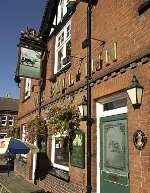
(139, 139)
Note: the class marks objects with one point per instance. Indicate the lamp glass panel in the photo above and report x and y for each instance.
(81, 109)
(132, 95)
(139, 95)
(84, 110)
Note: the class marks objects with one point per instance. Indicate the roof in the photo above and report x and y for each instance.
(9, 104)
(48, 17)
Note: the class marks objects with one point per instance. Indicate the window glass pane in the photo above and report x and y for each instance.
(10, 121)
(68, 49)
(59, 41)
(62, 37)
(60, 59)
(61, 151)
(68, 30)
(115, 104)
(115, 149)
(4, 120)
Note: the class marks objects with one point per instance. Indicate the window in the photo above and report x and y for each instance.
(27, 88)
(62, 10)
(115, 104)
(4, 120)
(60, 152)
(63, 48)
(3, 135)
(10, 121)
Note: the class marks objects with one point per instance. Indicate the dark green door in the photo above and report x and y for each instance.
(114, 154)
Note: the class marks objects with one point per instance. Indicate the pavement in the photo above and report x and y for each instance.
(14, 183)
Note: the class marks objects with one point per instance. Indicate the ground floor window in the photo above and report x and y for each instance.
(60, 152)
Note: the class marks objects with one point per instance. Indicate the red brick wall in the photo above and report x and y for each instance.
(112, 21)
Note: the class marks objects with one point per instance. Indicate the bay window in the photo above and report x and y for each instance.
(63, 48)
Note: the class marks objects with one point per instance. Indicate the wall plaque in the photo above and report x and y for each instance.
(77, 157)
(139, 139)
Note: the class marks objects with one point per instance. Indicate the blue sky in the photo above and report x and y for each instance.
(15, 16)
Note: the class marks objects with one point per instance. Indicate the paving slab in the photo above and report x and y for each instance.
(17, 184)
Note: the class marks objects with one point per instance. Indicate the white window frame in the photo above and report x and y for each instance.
(61, 46)
(62, 10)
(4, 120)
(101, 113)
(27, 89)
(23, 137)
(66, 168)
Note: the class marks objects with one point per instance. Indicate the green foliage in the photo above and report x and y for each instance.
(64, 120)
(13, 132)
(36, 127)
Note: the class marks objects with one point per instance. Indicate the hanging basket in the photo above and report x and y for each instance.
(36, 127)
(64, 120)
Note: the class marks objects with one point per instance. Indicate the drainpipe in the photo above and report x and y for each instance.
(89, 120)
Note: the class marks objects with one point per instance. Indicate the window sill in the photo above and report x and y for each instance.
(25, 99)
(61, 174)
(143, 7)
(64, 69)
(53, 77)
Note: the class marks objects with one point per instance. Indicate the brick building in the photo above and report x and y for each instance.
(8, 114)
(120, 50)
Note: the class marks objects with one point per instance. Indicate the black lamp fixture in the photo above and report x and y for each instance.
(83, 108)
(135, 93)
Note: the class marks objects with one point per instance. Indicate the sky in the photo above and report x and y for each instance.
(15, 16)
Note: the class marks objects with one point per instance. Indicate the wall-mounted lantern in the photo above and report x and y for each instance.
(135, 92)
(83, 108)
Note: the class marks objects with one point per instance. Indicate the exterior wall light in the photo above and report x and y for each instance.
(135, 93)
(83, 108)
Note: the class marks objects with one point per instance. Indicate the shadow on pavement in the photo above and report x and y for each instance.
(43, 166)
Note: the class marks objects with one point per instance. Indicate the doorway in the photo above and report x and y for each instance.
(112, 145)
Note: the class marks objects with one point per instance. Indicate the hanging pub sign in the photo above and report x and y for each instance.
(30, 54)
(77, 158)
(29, 63)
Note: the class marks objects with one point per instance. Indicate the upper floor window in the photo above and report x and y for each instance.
(10, 121)
(63, 48)
(27, 90)
(4, 120)
(62, 10)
